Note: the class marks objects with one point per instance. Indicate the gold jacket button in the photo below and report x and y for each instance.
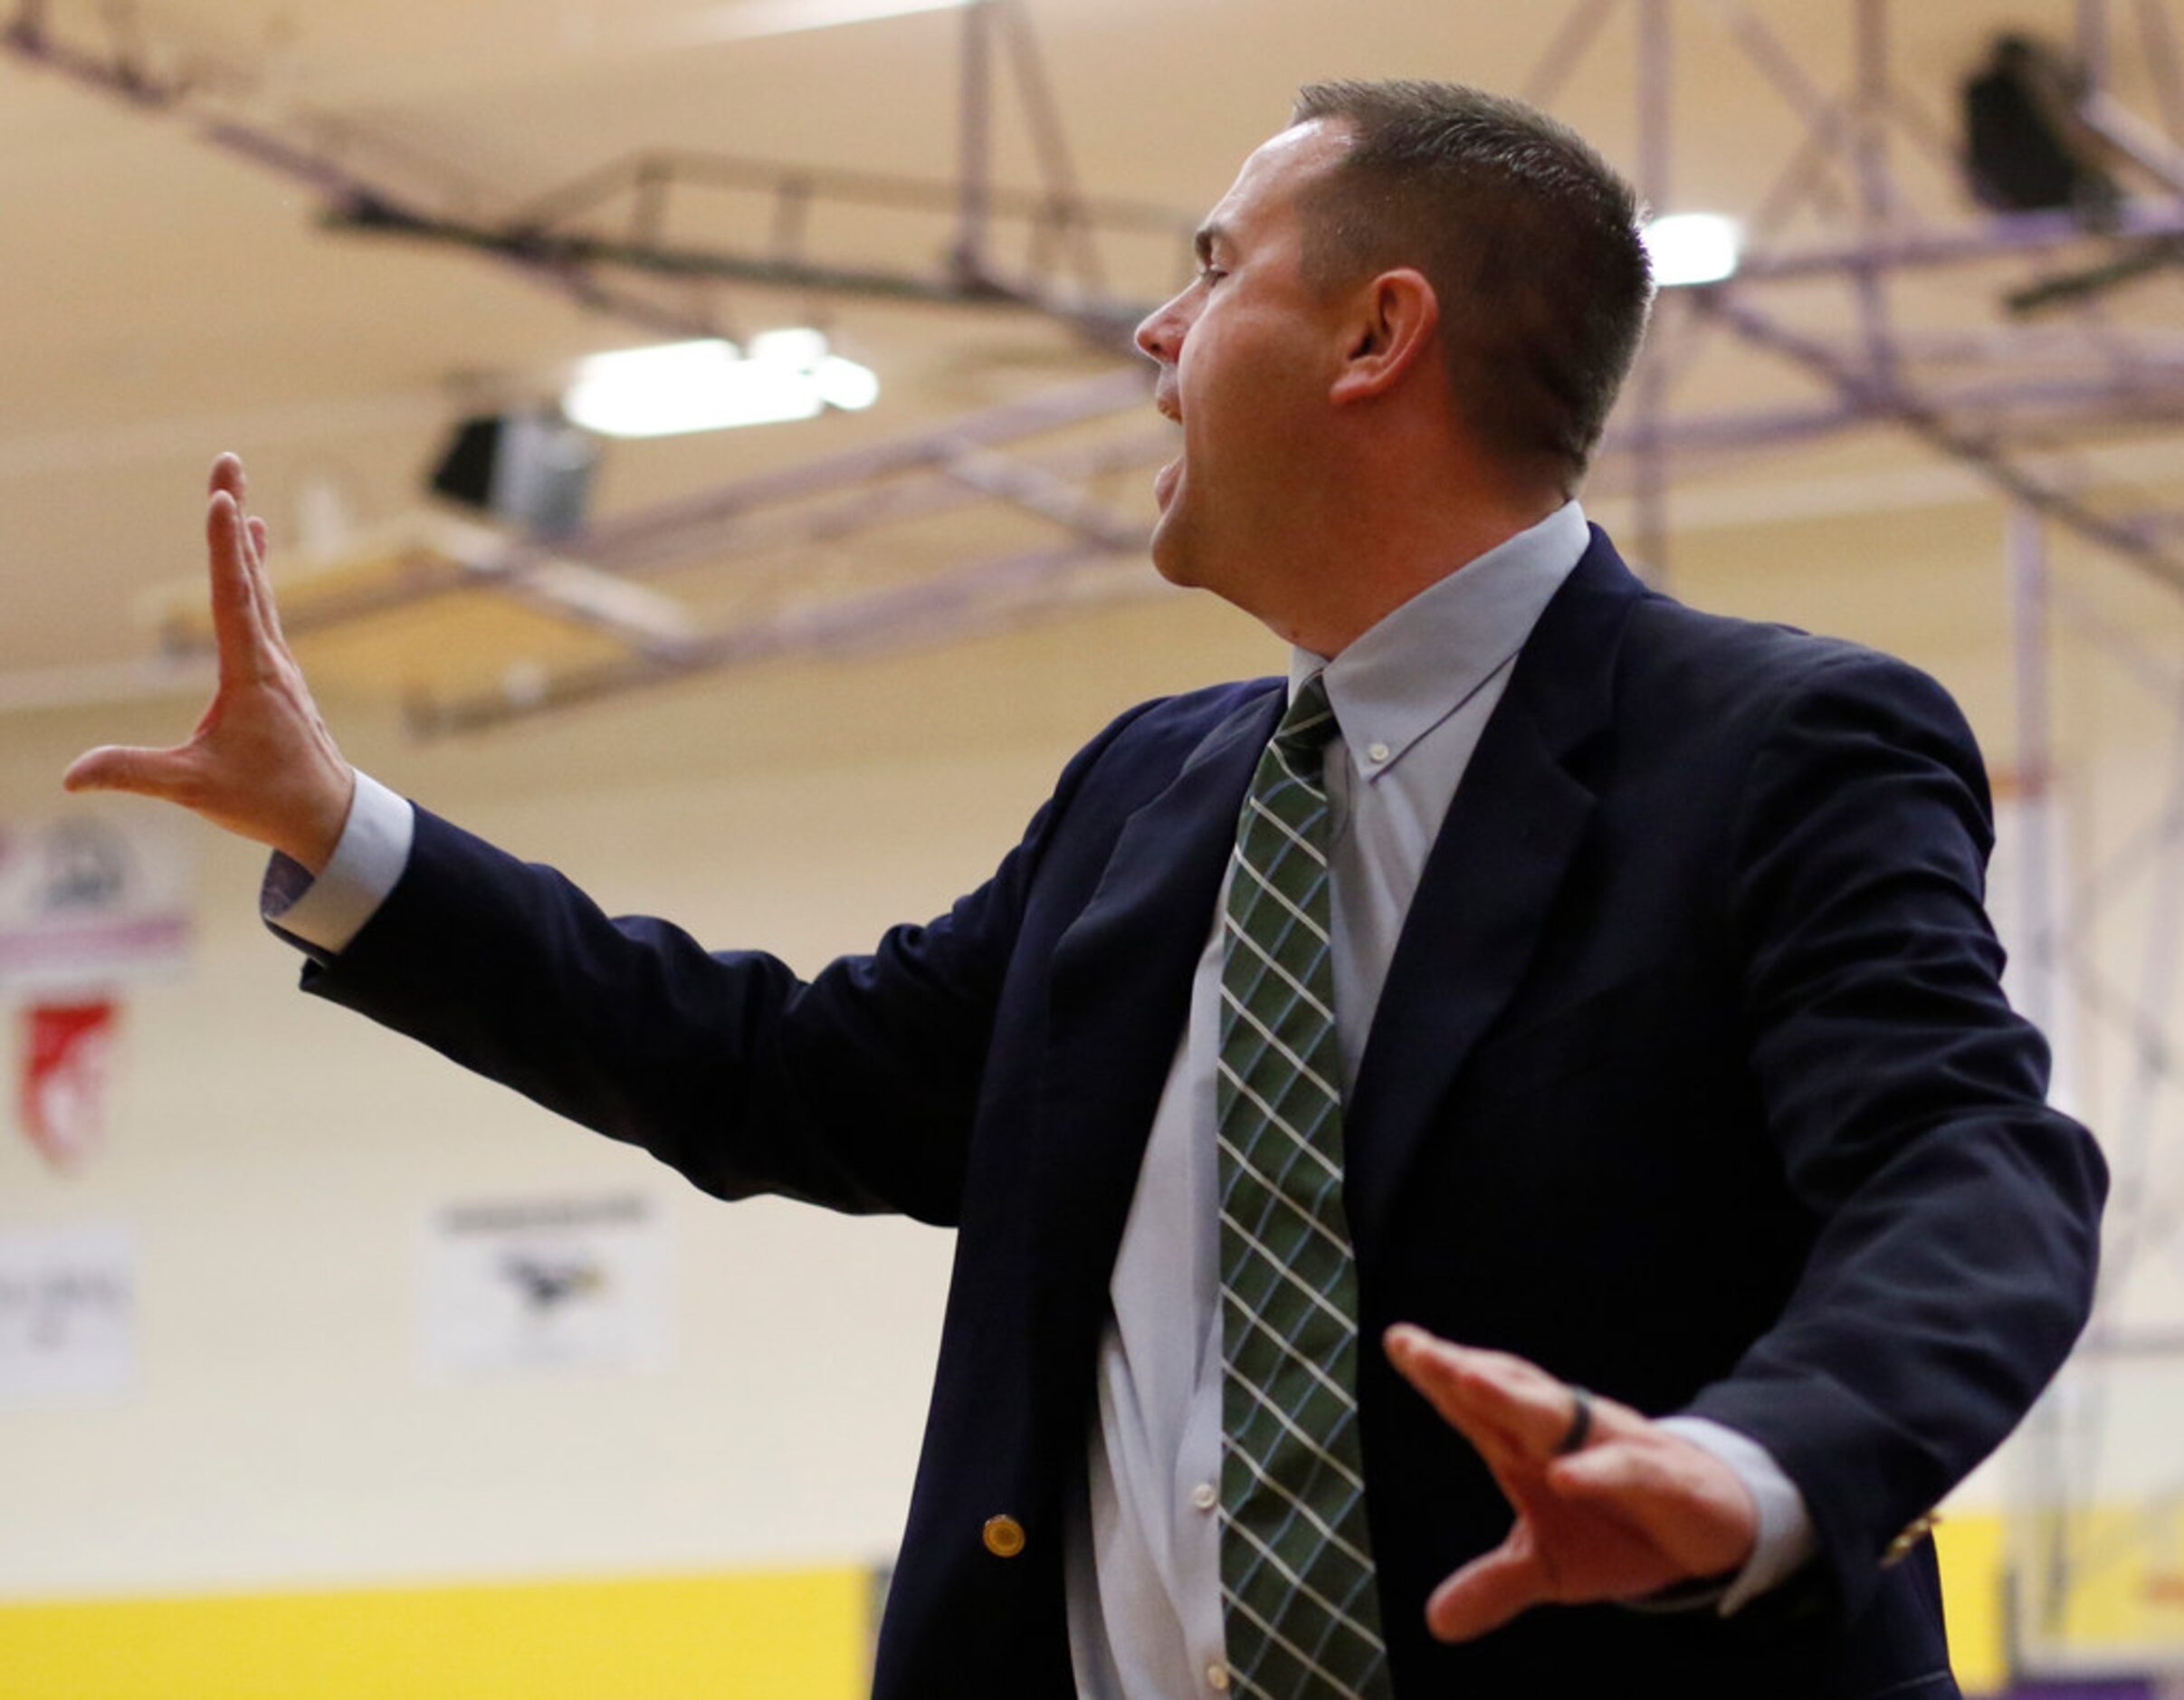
(1003, 1536)
(1902, 1547)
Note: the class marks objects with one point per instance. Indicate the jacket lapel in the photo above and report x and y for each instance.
(1120, 995)
(1488, 884)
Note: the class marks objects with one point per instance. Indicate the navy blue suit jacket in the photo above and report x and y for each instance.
(1691, 1080)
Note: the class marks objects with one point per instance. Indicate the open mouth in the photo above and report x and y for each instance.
(1167, 402)
(1171, 407)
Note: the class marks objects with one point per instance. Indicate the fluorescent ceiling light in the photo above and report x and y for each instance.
(1693, 248)
(712, 385)
(743, 18)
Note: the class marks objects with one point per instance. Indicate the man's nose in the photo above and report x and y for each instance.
(1161, 333)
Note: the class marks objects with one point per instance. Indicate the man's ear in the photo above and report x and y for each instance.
(1392, 329)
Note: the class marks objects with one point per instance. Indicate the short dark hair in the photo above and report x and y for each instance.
(1530, 239)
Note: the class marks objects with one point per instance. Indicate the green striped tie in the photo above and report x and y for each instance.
(1300, 1608)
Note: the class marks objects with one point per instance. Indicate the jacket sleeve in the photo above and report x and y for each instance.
(1958, 1215)
(856, 1090)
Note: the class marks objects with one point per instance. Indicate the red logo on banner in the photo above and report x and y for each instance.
(65, 1055)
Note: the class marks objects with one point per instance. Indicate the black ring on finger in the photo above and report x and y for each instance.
(1580, 1423)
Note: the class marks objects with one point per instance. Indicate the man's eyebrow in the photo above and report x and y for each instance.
(1209, 233)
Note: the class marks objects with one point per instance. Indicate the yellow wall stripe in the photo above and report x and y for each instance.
(759, 1635)
(1971, 1552)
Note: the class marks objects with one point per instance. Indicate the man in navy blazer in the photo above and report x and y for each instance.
(1690, 1081)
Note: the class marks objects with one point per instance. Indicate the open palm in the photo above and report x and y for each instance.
(261, 762)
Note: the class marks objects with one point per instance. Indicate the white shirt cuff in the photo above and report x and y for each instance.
(1786, 1532)
(366, 864)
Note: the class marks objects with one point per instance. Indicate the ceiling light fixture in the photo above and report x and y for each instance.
(1689, 248)
(712, 385)
(741, 19)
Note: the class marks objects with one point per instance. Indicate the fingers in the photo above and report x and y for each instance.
(229, 478)
(161, 773)
(238, 631)
(246, 626)
(1487, 1592)
(256, 547)
(1512, 1411)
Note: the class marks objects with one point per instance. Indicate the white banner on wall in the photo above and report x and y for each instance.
(530, 1287)
(89, 900)
(2029, 888)
(68, 1315)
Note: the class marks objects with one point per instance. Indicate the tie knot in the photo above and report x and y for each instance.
(1310, 722)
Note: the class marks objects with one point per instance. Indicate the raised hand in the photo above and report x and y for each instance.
(1634, 1509)
(261, 762)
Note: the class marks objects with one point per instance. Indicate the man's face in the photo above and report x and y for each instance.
(1247, 354)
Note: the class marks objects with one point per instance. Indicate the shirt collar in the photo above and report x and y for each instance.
(1425, 660)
